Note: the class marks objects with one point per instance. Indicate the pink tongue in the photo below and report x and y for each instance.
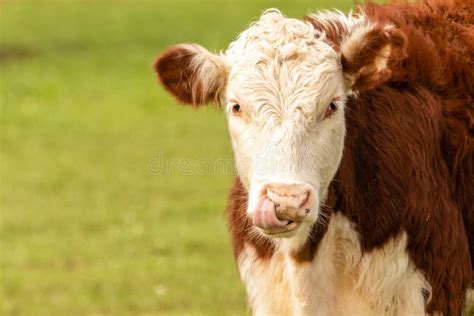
(265, 217)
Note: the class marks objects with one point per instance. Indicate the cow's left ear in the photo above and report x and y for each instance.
(370, 53)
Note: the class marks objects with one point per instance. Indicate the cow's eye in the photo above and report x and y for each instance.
(236, 109)
(330, 109)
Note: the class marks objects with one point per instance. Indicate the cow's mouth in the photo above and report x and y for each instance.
(284, 231)
(276, 221)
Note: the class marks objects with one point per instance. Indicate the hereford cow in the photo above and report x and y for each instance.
(353, 139)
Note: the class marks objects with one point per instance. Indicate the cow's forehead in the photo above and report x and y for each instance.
(298, 83)
(283, 58)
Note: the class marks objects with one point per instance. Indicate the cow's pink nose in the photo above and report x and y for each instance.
(292, 201)
(282, 204)
(289, 197)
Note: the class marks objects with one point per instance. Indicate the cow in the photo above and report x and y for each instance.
(353, 142)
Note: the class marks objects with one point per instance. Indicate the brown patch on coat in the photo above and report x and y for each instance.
(441, 50)
(393, 177)
(409, 154)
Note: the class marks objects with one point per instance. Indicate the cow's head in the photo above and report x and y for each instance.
(283, 85)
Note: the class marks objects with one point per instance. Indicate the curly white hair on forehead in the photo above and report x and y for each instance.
(273, 36)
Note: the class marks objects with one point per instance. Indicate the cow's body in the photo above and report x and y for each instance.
(393, 237)
(353, 137)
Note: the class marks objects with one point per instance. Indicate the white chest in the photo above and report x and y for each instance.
(339, 281)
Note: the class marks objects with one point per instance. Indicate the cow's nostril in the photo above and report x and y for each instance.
(305, 199)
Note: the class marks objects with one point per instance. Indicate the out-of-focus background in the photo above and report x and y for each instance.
(91, 222)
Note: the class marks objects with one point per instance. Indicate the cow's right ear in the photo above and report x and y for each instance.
(192, 74)
(370, 53)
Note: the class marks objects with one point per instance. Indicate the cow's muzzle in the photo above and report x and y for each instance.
(282, 207)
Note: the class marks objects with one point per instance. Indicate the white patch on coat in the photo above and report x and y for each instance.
(339, 281)
(266, 283)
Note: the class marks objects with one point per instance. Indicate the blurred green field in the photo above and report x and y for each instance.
(86, 227)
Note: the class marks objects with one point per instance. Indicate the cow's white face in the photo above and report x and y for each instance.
(285, 107)
(284, 90)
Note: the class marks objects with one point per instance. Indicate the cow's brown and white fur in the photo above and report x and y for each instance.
(341, 280)
(371, 116)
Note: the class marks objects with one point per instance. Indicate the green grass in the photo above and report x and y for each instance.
(87, 229)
